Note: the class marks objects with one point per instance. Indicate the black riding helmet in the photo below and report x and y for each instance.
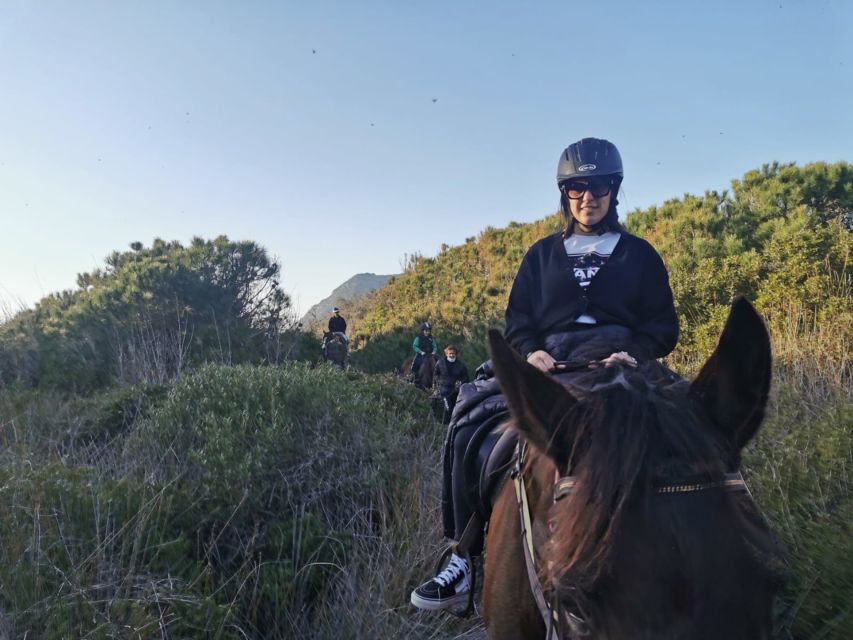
(586, 158)
(589, 157)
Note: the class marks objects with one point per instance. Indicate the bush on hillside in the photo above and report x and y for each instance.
(462, 292)
(150, 313)
(262, 502)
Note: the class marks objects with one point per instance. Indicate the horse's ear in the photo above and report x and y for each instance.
(536, 400)
(733, 384)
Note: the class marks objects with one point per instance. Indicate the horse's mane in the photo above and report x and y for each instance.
(631, 428)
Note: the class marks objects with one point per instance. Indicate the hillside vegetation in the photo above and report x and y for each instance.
(150, 313)
(174, 462)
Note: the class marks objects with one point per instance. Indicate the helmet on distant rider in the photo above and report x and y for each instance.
(426, 326)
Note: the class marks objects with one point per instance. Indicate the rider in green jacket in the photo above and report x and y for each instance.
(423, 344)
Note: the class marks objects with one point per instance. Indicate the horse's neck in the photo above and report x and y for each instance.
(426, 369)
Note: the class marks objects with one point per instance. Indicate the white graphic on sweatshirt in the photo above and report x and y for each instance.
(587, 254)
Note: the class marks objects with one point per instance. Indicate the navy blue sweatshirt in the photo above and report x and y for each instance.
(631, 289)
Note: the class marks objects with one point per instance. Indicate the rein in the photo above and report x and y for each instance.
(559, 622)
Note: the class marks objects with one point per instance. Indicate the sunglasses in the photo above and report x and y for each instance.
(598, 187)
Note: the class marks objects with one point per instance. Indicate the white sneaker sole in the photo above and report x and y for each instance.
(436, 605)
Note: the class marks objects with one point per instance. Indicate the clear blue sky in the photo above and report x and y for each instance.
(343, 135)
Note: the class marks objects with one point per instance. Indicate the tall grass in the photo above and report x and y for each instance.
(801, 472)
(800, 469)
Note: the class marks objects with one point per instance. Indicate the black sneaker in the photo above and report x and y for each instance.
(448, 588)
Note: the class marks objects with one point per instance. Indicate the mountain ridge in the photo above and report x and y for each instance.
(345, 293)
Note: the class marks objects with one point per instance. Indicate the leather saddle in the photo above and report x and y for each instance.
(489, 457)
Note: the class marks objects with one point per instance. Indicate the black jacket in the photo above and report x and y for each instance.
(631, 289)
(447, 374)
(337, 323)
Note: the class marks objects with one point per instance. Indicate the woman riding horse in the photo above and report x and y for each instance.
(424, 346)
(588, 291)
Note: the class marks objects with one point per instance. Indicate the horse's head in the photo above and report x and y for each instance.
(626, 552)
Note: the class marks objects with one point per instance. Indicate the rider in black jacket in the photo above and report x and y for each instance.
(594, 275)
(630, 289)
(593, 293)
(337, 324)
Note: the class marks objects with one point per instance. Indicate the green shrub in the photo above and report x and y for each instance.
(259, 436)
(106, 414)
(261, 502)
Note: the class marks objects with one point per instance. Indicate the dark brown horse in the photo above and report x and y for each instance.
(423, 379)
(651, 542)
(335, 348)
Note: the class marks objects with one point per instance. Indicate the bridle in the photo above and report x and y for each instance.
(732, 482)
(561, 623)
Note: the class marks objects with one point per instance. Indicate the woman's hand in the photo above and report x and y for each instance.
(542, 360)
(621, 357)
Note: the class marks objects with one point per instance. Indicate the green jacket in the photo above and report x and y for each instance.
(425, 344)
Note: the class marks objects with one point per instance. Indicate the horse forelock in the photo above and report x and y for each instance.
(627, 428)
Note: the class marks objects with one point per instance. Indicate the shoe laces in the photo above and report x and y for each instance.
(455, 568)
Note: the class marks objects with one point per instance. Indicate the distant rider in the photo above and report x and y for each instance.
(337, 324)
(450, 373)
(337, 327)
(423, 344)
